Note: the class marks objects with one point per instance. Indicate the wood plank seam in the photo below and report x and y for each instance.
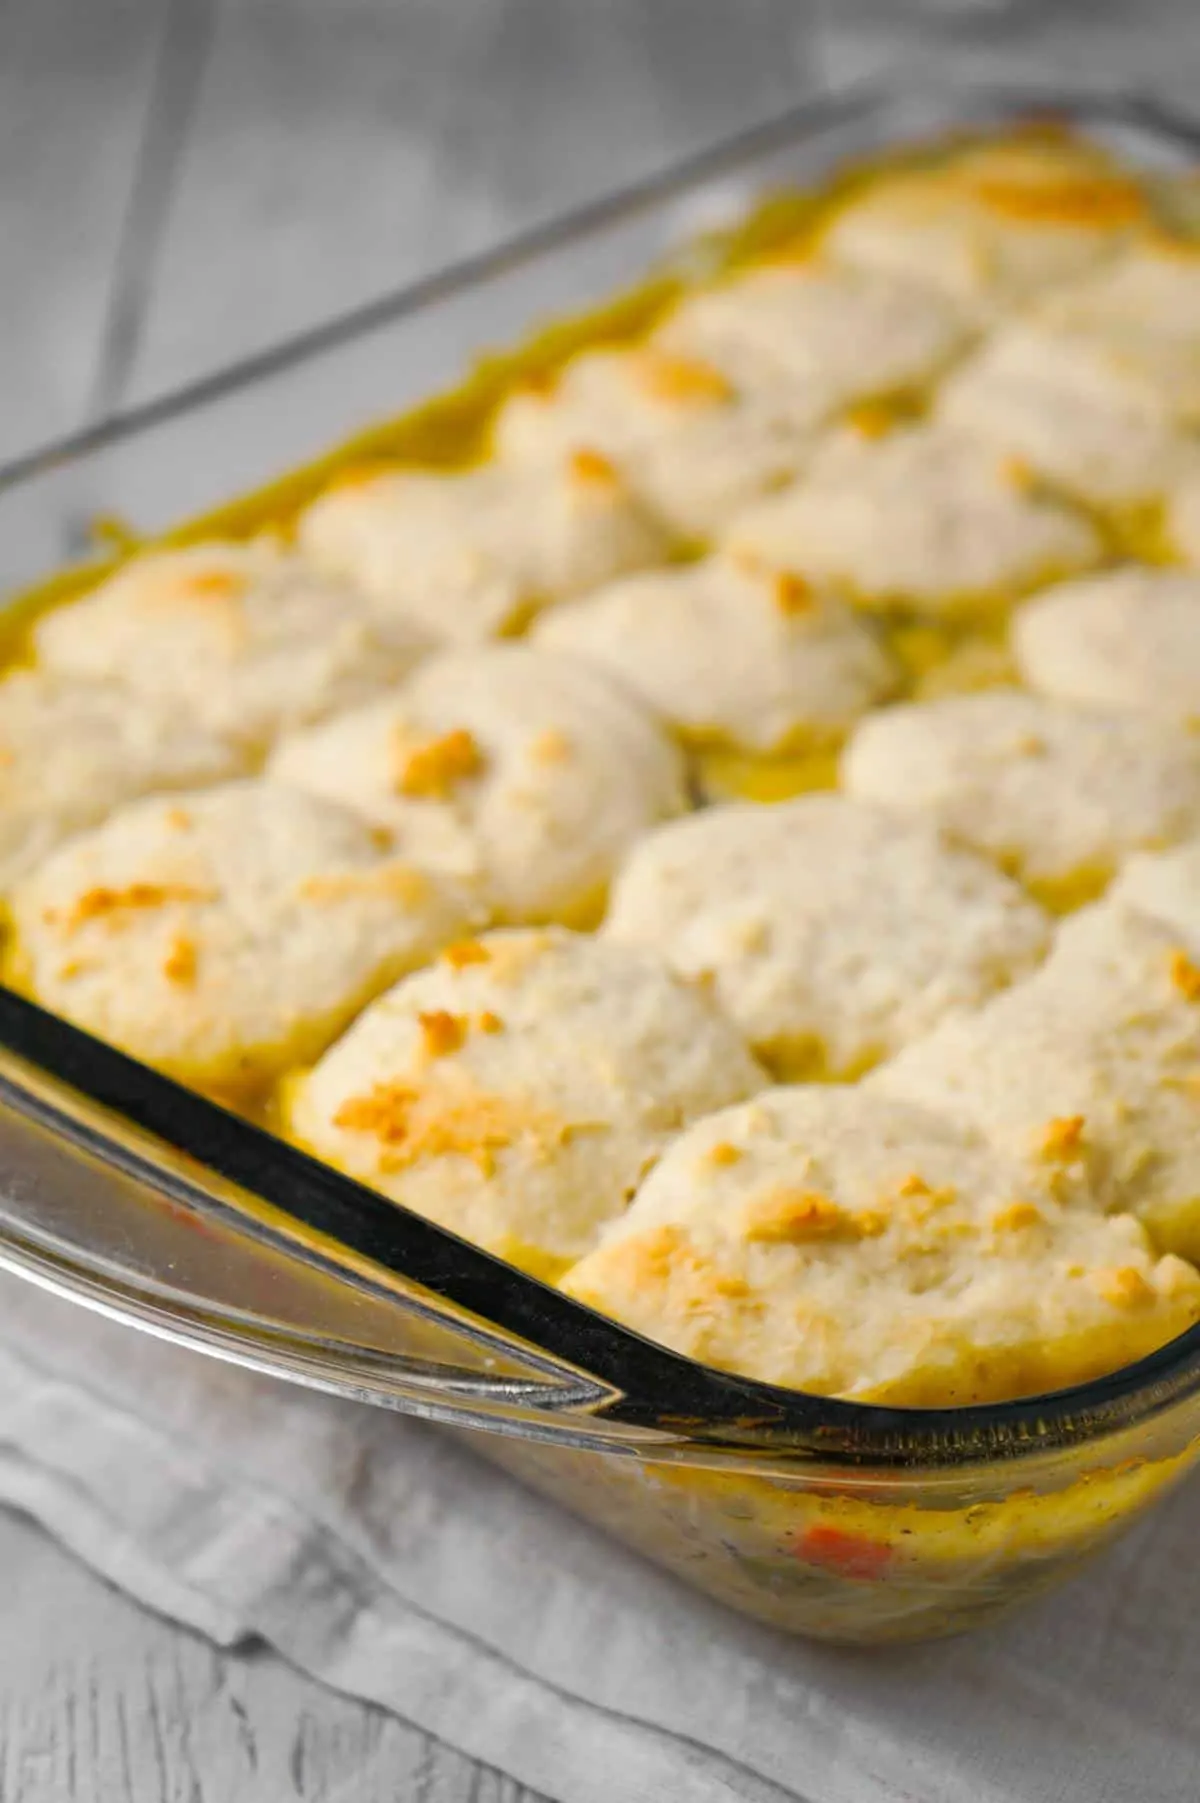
(186, 37)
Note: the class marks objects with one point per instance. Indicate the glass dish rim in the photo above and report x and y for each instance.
(836, 105)
(644, 1385)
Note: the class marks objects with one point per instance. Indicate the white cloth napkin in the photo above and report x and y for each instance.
(380, 1556)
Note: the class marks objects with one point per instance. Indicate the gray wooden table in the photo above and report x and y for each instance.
(181, 181)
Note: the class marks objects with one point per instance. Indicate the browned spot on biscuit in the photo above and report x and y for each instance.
(384, 1112)
(103, 901)
(1082, 200)
(664, 1260)
(512, 955)
(922, 1200)
(179, 965)
(683, 379)
(464, 952)
(434, 769)
(592, 467)
(1063, 1136)
(413, 1124)
(442, 1032)
(793, 596)
(872, 419)
(1185, 975)
(795, 1214)
(214, 585)
(1016, 1216)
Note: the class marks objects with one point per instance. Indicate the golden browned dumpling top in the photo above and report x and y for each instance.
(517, 1091)
(838, 1241)
(227, 935)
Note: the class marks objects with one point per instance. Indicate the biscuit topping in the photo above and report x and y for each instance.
(887, 1090)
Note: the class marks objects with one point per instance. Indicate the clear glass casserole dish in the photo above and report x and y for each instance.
(138, 1198)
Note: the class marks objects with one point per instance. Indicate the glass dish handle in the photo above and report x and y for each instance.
(152, 1204)
(93, 1208)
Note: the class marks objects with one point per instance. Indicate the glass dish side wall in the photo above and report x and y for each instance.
(847, 1551)
(828, 1548)
(878, 1555)
(182, 457)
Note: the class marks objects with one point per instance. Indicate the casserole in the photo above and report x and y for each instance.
(845, 1521)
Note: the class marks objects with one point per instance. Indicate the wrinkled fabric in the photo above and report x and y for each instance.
(380, 1556)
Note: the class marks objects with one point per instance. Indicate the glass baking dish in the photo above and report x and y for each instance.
(136, 1197)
